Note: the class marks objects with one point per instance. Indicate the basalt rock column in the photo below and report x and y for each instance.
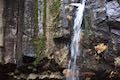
(28, 30)
(1, 23)
(13, 30)
(1, 28)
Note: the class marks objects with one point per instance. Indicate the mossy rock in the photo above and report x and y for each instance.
(55, 7)
(39, 41)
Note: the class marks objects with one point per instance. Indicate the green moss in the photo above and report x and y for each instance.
(40, 47)
(39, 41)
(88, 23)
(44, 17)
(36, 15)
(55, 12)
(55, 7)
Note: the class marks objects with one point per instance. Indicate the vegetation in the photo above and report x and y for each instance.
(55, 12)
(44, 16)
(39, 41)
(87, 24)
(55, 7)
(40, 46)
(36, 15)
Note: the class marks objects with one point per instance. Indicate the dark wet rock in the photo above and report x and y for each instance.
(109, 0)
(114, 24)
(4, 76)
(100, 75)
(9, 67)
(115, 31)
(62, 40)
(25, 69)
(5, 69)
(48, 64)
(102, 25)
(28, 59)
(93, 61)
(91, 41)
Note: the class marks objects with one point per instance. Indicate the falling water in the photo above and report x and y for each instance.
(75, 52)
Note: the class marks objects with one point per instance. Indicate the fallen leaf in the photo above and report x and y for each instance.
(100, 48)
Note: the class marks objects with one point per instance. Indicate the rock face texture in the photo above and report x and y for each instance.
(113, 10)
(1, 22)
(20, 31)
(28, 48)
(113, 13)
(13, 13)
(1, 28)
(102, 26)
(40, 31)
(40, 16)
(57, 31)
(19, 27)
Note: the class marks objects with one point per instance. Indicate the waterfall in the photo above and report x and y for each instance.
(75, 52)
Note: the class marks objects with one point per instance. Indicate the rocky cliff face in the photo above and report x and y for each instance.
(13, 14)
(57, 35)
(102, 26)
(40, 31)
(1, 28)
(20, 32)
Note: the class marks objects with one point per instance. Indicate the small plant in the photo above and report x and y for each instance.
(39, 41)
(40, 47)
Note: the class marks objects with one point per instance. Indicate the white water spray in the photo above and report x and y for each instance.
(75, 52)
